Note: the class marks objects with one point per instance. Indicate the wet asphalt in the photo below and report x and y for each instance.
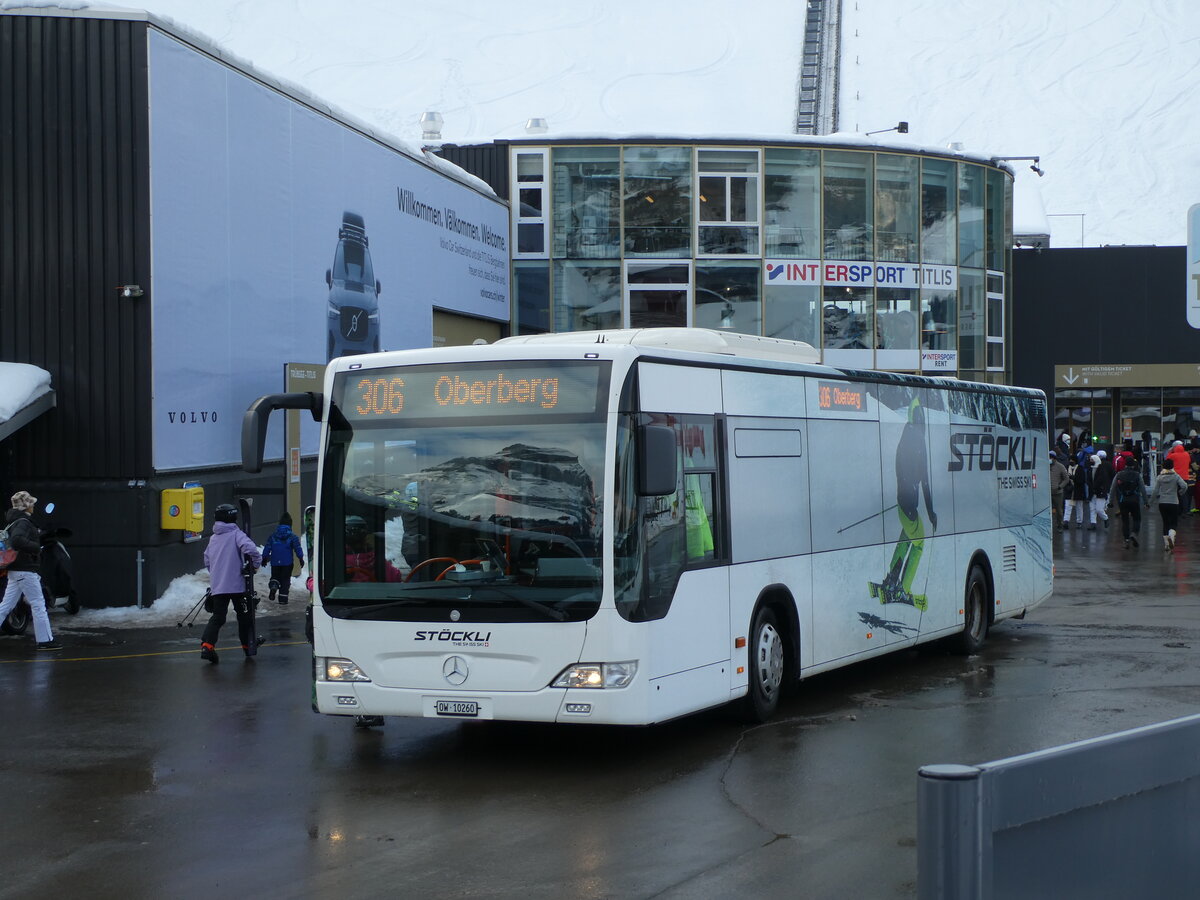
(129, 768)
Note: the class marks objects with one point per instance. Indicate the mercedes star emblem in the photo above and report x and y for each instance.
(454, 670)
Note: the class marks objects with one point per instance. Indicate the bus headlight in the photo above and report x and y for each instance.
(596, 675)
(330, 668)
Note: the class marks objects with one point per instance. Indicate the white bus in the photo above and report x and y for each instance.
(630, 526)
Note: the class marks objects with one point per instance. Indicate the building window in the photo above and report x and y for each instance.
(658, 201)
(727, 202)
(1141, 414)
(896, 208)
(998, 241)
(587, 297)
(586, 184)
(1181, 415)
(898, 339)
(971, 322)
(939, 328)
(848, 177)
(656, 294)
(995, 321)
(792, 203)
(531, 291)
(939, 236)
(529, 207)
(970, 215)
(792, 312)
(727, 297)
(847, 319)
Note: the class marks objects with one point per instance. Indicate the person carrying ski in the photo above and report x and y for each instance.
(281, 547)
(912, 478)
(226, 555)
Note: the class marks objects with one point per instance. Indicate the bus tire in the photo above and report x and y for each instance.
(975, 614)
(766, 665)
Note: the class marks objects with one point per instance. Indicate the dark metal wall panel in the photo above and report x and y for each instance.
(487, 162)
(74, 224)
(1098, 305)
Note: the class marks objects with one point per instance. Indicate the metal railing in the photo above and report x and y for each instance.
(1116, 816)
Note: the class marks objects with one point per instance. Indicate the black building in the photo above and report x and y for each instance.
(1104, 332)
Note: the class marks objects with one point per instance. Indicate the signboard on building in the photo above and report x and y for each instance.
(281, 234)
(1193, 266)
(846, 273)
(1129, 375)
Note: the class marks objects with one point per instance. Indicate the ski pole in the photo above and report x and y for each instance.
(190, 614)
(868, 518)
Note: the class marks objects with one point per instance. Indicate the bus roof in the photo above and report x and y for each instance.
(697, 340)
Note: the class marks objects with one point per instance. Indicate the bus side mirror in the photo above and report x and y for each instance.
(657, 461)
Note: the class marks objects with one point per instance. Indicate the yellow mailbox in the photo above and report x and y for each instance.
(183, 509)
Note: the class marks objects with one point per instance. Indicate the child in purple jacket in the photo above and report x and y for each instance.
(226, 555)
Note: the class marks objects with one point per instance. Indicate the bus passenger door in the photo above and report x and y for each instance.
(850, 561)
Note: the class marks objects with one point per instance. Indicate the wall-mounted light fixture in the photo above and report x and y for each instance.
(1036, 159)
(130, 290)
(899, 128)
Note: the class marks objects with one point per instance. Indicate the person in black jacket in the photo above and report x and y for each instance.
(1102, 476)
(23, 578)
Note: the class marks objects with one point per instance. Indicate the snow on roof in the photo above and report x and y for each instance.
(20, 385)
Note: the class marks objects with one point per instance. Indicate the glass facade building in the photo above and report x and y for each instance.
(879, 258)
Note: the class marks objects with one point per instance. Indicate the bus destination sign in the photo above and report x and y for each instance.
(499, 389)
(839, 395)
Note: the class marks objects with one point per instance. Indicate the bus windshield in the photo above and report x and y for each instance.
(482, 513)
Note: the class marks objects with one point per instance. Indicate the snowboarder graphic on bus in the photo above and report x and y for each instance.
(912, 478)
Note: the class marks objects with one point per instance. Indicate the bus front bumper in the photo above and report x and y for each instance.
(546, 705)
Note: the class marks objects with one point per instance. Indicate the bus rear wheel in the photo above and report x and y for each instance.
(766, 667)
(975, 613)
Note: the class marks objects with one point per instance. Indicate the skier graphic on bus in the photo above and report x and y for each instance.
(912, 481)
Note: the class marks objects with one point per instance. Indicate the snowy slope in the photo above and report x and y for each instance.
(1107, 92)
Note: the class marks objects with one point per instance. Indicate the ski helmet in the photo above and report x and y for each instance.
(226, 512)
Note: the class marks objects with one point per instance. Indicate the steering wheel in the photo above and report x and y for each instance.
(427, 562)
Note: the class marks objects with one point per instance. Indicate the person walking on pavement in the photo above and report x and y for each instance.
(1167, 491)
(1102, 476)
(1183, 468)
(1081, 491)
(281, 547)
(226, 554)
(1129, 491)
(1059, 479)
(23, 577)
(1069, 493)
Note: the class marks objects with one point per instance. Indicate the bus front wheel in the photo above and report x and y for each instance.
(766, 665)
(975, 614)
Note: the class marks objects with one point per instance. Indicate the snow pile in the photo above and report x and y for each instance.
(177, 601)
(20, 385)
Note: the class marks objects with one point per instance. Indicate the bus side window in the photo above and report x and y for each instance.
(698, 494)
(699, 445)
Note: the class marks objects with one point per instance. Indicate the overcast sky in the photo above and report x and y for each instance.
(1106, 92)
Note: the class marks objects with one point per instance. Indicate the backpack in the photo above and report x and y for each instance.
(7, 555)
(1127, 488)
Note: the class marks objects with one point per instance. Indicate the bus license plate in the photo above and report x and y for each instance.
(466, 708)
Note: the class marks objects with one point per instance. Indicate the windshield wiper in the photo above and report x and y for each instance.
(556, 614)
(354, 612)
